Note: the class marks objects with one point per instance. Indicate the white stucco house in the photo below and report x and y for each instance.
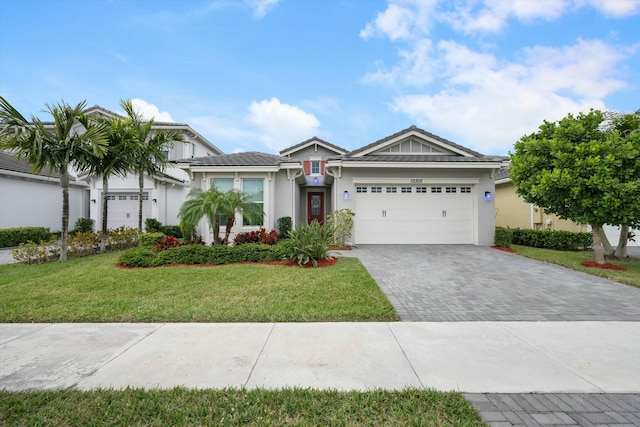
(28, 199)
(412, 187)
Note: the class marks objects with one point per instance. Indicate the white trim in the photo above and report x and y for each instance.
(232, 169)
(418, 135)
(29, 176)
(421, 165)
(316, 142)
(427, 181)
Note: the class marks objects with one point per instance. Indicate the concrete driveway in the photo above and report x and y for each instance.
(444, 283)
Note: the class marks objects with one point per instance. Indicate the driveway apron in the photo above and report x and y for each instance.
(445, 283)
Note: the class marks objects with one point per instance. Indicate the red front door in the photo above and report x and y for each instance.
(315, 207)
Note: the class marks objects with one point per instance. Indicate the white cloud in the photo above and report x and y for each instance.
(281, 125)
(402, 20)
(260, 7)
(150, 111)
(613, 8)
(488, 104)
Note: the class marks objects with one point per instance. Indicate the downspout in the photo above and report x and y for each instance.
(334, 203)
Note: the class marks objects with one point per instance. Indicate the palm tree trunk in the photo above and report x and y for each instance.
(140, 187)
(621, 249)
(231, 220)
(598, 251)
(105, 210)
(64, 183)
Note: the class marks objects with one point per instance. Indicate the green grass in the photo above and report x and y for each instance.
(93, 289)
(573, 259)
(237, 407)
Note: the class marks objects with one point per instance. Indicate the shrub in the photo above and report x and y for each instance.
(166, 242)
(284, 226)
(34, 253)
(152, 225)
(341, 224)
(260, 236)
(14, 236)
(171, 230)
(502, 237)
(83, 225)
(139, 257)
(148, 240)
(256, 252)
(308, 243)
(122, 238)
(83, 244)
(559, 240)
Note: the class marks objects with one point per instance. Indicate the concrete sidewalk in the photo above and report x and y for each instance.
(474, 357)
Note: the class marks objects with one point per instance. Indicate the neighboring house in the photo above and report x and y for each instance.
(35, 199)
(28, 199)
(512, 211)
(163, 195)
(411, 187)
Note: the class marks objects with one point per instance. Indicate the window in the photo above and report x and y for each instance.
(421, 189)
(145, 197)
(465, 189)
(315, 167)
(254, 189)
(165, 151)
(193, 149)
(376, 189)
(223, 185)
(122, 197)
(406, 189)
(436, 189)
(392, 189)
(361, 189)
(450, 189)
(133, 197)
(111, 197)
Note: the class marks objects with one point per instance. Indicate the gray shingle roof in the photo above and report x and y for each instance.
(420, 158)
(313, 140)
(13, 163)
(421, 131)
(249, 158)
(502, 173)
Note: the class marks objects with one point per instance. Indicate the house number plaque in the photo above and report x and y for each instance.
(416, 180)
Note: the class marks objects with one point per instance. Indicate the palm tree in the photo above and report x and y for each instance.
(114, 162)
(148, 153)
(57, 146)
(212, 204)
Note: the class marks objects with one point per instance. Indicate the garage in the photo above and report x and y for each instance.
(123, 209)
(414, 214)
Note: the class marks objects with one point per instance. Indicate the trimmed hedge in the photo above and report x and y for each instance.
(559, 240)
(14, 236)
(199, 254)
(502, 237)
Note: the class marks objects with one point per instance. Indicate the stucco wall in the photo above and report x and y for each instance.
(25, 203)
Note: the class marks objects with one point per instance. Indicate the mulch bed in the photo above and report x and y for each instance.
(500, 248)
(603, 266)
(321, 263)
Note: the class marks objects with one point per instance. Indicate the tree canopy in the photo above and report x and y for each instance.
(582, 168)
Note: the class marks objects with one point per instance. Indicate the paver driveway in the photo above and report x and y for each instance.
(440, 283)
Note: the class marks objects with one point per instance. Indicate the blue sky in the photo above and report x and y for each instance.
(262, 75)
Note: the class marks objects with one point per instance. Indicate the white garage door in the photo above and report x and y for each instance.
(417, 214)
(123, 209)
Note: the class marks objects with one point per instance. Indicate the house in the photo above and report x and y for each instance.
(412, 187)
(162, 195)
(29, 199)
(513, 212)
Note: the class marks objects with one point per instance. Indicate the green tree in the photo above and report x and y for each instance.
(579, 171)
(115, 161)
(148, 152)
(70, 141)
(625, 125)
(213, 204)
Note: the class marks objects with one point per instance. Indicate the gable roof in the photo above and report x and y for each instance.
(312, 141)
(103, 112)
(502, 175)
(406, 133)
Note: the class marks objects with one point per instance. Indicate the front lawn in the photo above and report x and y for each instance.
(573, 260)
(236, 407)
(93, 289)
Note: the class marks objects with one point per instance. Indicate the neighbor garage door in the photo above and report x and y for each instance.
(416, 214)
(123, 209)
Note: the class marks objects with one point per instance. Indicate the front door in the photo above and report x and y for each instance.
(315, 207)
